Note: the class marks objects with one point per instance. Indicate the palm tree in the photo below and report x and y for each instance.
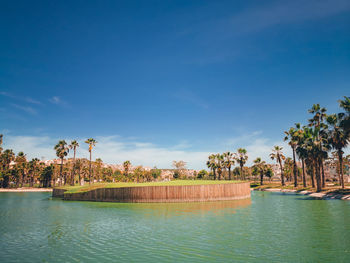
(228, 162)
(34, 167)
(316, 152)
(319, 115)
(317, 121)
(261, 168)
(345, 104)
(6, 157)
(61, 151)
(292, 136)
(303, 155)
(338, 139)
(278, 155)
(126, 165)
(219, 164)
(288, 168)
(73, 145)
(92, 142)
(78, 166)
(241, 157)
(21, 164)
(211, 164)
(98, 168)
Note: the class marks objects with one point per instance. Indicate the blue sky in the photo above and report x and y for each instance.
(156, 81)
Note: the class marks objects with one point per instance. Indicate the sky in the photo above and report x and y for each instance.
(157, 81)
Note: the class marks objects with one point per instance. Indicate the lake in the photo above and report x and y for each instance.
(271, 227)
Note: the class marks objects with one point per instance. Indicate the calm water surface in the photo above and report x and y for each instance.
(271, 227)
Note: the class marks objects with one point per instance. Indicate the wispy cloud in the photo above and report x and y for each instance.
(15, 97)
(189, 96)
(283, 12)
(33, 101)
(27, 109)
(58, 101)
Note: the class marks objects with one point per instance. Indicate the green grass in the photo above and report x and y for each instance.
(87, 187)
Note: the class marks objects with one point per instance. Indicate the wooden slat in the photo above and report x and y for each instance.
(149, 194)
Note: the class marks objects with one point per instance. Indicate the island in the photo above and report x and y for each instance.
(156, 192)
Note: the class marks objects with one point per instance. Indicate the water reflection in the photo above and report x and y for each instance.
(176, 209)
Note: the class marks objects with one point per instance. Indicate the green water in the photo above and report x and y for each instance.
(271, 227)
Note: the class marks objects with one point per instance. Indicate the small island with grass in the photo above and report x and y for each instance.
(154, 192)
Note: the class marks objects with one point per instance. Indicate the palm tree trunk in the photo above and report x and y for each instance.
(90, 170)
(21, 180)
(73, 170)
(323, 180)
(53, 179)
(241, 172)
(295, 169)
(312, 175)
(229, 173)
(214, 173)
(341, 176)
(79, 176)
(261, 178)
(32, 178)
(17, 182)
(318, 176)
(282, 175)
(61, 169)
(303, 166)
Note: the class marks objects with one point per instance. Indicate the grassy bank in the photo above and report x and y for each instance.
(330, 188)
(87, 187)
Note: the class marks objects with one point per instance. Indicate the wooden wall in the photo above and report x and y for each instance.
(151, 194)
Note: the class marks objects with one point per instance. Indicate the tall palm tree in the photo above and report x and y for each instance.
(91, 142)
(317, 121)
(241, 157)
(292, 136)
(126, 165)
(220, 164)
(73, 145)
(21, 164)
(278, 155)
(34, 167)
(319, 115)
(78, 167)
(211, 164)
(338, 139)
(261, 167)
(98, 168)
(61, 151)
(288, 168)
(228, 162)
(316, 151)
(303, 155)
(6, 158)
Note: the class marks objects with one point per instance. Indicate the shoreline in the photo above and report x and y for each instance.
(324, 196)
(24, 190)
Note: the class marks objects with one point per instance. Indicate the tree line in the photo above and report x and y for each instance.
(16, 171)
(313, 142)
(221, 164)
